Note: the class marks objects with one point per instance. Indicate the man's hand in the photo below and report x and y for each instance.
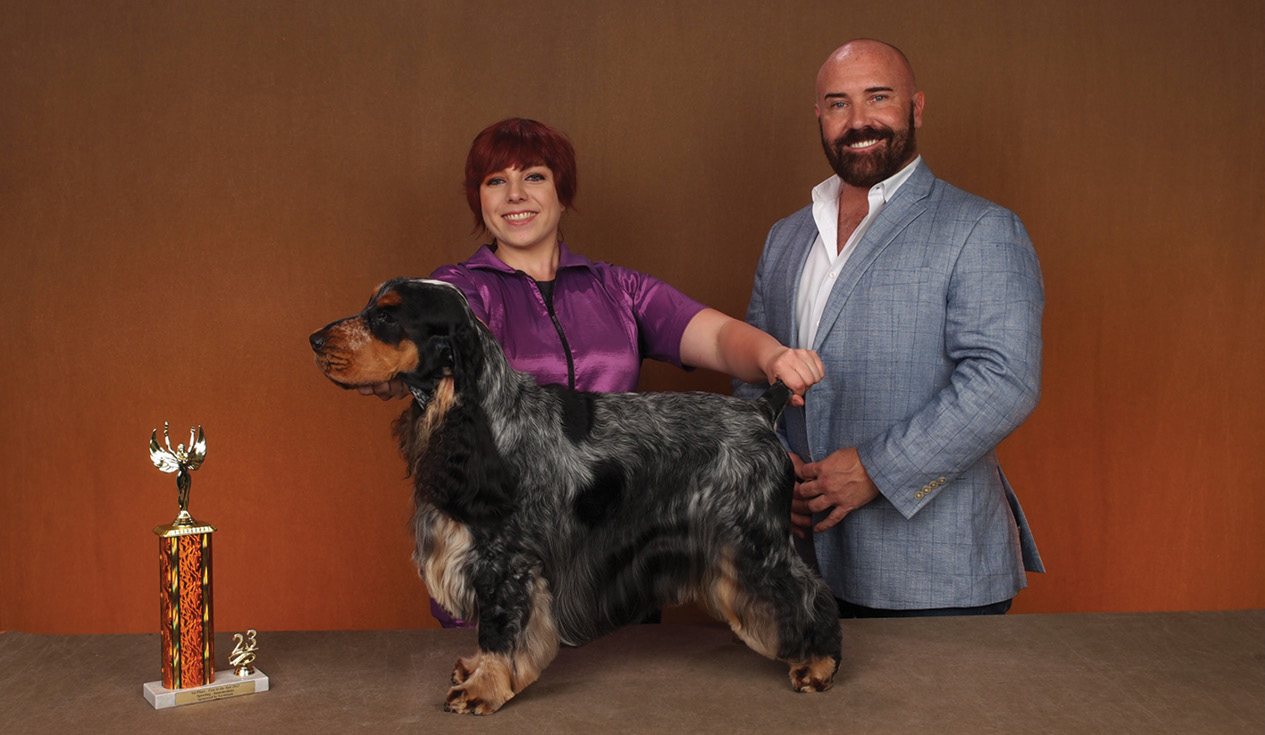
(838, 482)
(801, 516)
(386, 391)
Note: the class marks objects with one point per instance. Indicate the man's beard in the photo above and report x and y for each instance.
(867, 169)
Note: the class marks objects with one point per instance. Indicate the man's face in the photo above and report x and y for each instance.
(865, 156)
(867, 111)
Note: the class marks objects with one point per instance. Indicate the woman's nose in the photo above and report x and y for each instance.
(514, 190)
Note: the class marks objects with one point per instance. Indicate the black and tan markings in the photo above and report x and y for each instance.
(551, 516)
(365, 349)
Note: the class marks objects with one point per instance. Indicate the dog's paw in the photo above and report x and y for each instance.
(815, 676)
(487, 685)
(463, 669)
(461, 701)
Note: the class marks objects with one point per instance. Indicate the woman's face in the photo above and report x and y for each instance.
(521, 208)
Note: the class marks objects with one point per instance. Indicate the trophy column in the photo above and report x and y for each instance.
(185, 601)
(185, 605)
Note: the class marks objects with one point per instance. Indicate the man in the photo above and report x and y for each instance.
(924, 303)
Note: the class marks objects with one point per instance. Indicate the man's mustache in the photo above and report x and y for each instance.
(860, 134)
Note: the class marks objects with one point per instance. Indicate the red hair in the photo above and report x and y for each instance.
(519, 143)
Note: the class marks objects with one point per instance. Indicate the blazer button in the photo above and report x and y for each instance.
(918, 495)
(942, 480)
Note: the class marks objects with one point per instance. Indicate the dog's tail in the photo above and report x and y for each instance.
(774, 400)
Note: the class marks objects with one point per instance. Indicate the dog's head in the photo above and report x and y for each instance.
(413, 329)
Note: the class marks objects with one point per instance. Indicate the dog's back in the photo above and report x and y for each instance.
(631, 501)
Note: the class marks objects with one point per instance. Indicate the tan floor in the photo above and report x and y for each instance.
(1152, 673)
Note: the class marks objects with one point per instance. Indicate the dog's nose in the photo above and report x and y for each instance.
(317, 340)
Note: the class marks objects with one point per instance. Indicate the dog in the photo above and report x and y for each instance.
(552, 516)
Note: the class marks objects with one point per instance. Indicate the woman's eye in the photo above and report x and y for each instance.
(494, 181)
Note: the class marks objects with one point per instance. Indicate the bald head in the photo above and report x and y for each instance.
(868, 53)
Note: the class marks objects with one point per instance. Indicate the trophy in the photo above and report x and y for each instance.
(185, 599)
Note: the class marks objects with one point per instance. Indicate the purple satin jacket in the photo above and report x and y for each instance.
(602, 322)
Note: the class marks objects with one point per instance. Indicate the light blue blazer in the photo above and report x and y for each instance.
(932, 344)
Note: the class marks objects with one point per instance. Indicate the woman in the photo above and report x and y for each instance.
(567, 320)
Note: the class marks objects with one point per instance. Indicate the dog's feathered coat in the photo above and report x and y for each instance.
(554, 516)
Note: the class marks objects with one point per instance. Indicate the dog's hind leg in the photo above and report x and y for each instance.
(750, 618)
(811, 639)
(784, 612)
(517, 640)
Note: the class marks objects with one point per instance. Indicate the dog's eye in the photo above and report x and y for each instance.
(384, 317)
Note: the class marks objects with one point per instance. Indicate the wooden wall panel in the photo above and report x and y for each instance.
(188, 189)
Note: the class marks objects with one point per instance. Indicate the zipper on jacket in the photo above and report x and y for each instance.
(557, 325)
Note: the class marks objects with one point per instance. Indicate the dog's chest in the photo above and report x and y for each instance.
(443, 548)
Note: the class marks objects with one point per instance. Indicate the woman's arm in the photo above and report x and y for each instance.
(718, 342)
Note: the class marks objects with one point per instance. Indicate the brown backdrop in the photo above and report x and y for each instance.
(187, 189)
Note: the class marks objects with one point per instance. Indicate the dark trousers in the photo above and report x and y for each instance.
(849, 610)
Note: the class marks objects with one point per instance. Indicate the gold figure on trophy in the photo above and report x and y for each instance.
(181, 461)
(244, 653)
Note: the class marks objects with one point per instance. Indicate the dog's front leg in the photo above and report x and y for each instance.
(517, 639)
(464, 667)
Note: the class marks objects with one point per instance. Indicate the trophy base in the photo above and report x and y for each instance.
(226, 685)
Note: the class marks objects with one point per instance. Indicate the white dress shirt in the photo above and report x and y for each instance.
(825, 259)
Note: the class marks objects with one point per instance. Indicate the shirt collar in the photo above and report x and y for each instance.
(827, 192)
(485, 258)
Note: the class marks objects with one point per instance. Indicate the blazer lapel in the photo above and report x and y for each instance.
(904, 208)
(791, 265)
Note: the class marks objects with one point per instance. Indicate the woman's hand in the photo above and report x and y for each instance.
(798, 369)
(395, 388)
(718, 342)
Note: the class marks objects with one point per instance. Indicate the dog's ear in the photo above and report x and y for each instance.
(467, 354)
(437, 318)
(467, 477)
(404, 428)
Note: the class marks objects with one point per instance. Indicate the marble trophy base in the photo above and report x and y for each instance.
(226, 684)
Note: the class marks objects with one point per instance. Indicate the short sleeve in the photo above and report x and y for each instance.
(661, 311)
